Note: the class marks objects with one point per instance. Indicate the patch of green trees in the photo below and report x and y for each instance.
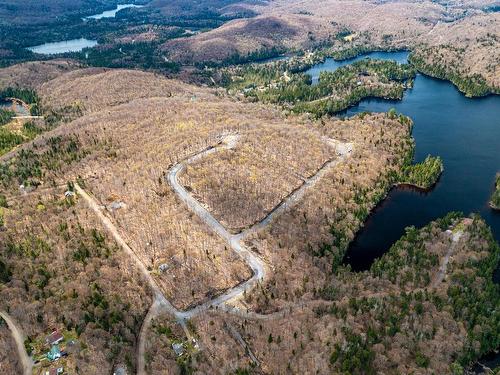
(5, 116)
(28, 167)
(138, 55)
(422, 175)
(495, 198)
(28, 96)
(474, 296)
(470, 295)
(5, 273)
(355, 356)
(407, 261)
(334, 92)
(9, 140)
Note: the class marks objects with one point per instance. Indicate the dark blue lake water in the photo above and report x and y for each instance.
(464, 132)
(330, 64)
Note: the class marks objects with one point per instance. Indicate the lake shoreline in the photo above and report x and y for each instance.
(111, 13)
(65, 46)
(473, 124)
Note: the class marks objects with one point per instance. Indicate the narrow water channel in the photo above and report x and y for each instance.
(112, 13)
(329, 65)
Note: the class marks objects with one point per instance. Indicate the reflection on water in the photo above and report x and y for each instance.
(464, 132)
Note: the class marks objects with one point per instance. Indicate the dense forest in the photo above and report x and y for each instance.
(5, 116)
(378, 321)
(471, 85)
(115, 36)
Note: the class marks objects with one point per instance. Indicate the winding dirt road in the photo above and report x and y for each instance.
(161, 304)
(257, 265)
(219, 304)
(18, 336)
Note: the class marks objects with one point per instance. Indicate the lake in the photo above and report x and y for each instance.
(464, 132)
(330, 64)
(74, 45)
(112, 13)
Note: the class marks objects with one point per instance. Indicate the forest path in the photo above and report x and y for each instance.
(18, 336)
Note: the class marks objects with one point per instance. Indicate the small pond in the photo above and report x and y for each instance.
(74, 45)
(19, 109)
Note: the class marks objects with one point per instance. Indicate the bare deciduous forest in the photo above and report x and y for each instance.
(97, 243)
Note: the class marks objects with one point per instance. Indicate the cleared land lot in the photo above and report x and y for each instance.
(240, 186)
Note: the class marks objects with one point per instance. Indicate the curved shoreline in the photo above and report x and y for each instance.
(420, 188)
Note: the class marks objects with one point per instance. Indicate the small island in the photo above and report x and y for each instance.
(495, 198)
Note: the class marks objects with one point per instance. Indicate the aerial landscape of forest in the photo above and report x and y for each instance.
(249, 187)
